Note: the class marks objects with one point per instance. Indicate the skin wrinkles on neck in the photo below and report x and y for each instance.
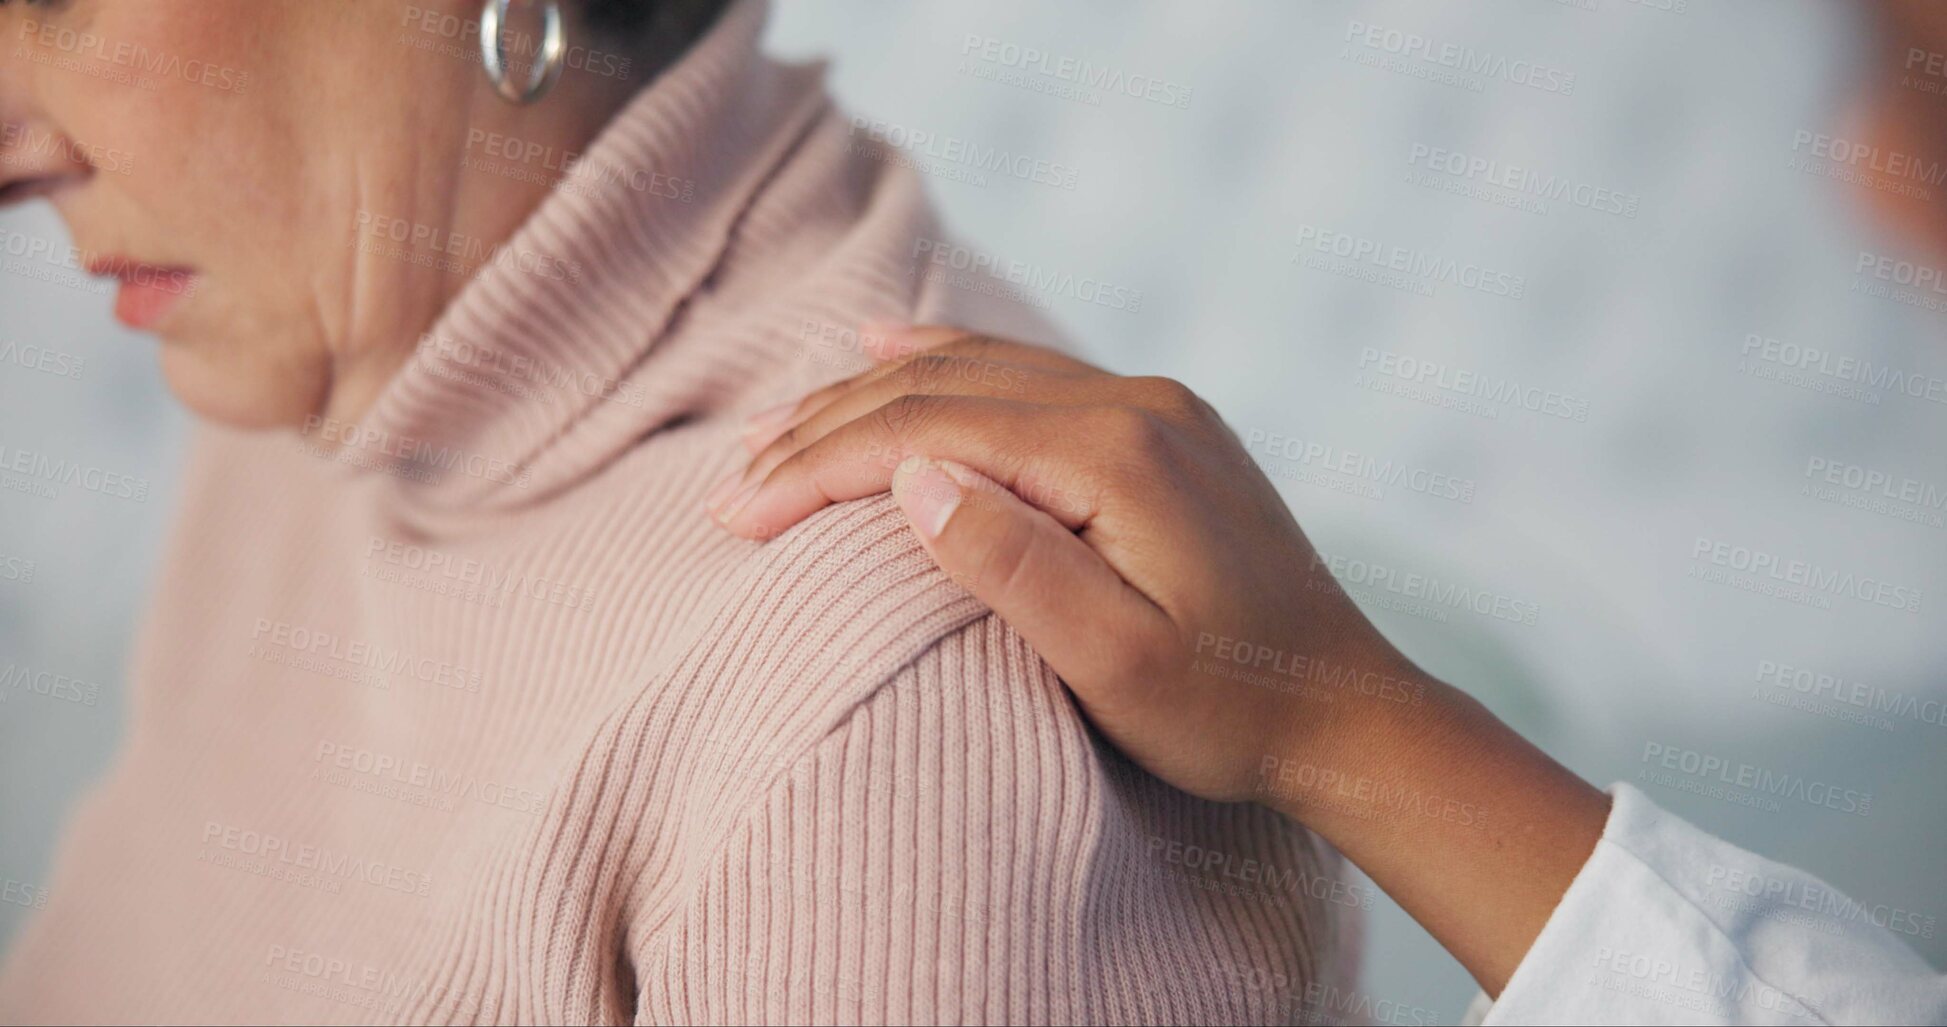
(377, 340)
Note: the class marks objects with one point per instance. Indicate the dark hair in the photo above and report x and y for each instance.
(619, 15)
(679, 20)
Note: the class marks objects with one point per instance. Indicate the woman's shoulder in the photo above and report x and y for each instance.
(847, 691)
(837, 606)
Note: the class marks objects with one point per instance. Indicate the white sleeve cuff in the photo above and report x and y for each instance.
(1666, 924)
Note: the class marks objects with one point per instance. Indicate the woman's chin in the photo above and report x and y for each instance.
(240, 393)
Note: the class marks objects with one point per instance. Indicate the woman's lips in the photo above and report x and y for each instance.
(149, 292)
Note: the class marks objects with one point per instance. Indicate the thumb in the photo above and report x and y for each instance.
(1057, 592)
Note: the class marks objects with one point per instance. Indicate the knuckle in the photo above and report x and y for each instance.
(876, 451)
(850, 445)
(1138, 455)
(1060, 488)
(793, 439)
(927, 372)
(902, 418)
(1171, 398)
(1135, 434)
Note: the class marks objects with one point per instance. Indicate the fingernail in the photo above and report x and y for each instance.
(765, 428)
(737, 503)
(771, 419)
(722, 490)
(927, 495)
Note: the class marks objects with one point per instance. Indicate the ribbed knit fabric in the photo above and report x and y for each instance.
(480, 719)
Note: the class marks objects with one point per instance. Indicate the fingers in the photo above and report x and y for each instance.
(896, 346)
(1016, 443)
(1063, 598)
(931, 374)
(890, 343)
(886, 342)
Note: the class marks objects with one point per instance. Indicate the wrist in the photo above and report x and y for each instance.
(1371, 752)
(1473, 830)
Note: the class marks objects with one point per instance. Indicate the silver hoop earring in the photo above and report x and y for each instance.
(545, 69)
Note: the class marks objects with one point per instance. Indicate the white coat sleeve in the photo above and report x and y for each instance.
(1666, 924)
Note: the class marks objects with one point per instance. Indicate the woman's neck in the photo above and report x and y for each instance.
(489, 165)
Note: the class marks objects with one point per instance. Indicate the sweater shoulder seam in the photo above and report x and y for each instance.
(654, 950)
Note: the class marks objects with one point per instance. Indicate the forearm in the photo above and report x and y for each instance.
(1474, 831)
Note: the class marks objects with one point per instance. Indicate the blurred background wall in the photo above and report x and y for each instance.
(1318, 234)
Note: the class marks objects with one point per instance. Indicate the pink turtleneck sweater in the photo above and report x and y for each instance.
(480, 719)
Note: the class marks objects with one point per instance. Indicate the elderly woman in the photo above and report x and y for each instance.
(451, 706)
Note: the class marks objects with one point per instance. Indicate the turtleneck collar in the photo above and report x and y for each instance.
(553, 357)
